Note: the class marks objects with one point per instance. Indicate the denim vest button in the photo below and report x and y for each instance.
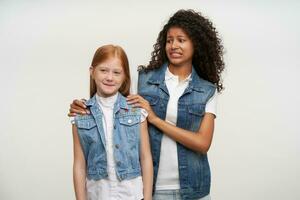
(117, 146)
(118, 163)
(129, 121)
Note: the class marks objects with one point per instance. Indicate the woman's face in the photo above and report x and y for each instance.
(179, 47)
(109, 76)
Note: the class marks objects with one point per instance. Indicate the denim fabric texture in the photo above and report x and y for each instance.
(172, 195)
(126, 140)
(194, 170)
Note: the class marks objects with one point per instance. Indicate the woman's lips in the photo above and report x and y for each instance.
(175, 54)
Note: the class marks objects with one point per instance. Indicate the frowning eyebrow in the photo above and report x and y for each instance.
(178, 36)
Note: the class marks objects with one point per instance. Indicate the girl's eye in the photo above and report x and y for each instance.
(169, 41)
(181, 40)
(117, 72)
(103, 70)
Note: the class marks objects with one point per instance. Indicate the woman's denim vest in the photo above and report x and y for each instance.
(194, 171)
(126, 140)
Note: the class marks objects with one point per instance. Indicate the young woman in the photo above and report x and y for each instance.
(112, 158)
(178, 90)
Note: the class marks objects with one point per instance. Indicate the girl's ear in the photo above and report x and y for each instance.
(91, 71)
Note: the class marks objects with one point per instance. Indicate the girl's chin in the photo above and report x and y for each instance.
(107, 93)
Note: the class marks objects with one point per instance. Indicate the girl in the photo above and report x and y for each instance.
(112, 158)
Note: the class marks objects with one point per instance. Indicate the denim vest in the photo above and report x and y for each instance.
(126, 140)
(194, 171)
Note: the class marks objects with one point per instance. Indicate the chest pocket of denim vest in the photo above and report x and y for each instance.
(88, 128)
(153, 100)
(195, 114)
(86, 124)
(196, 109)
(130, 125)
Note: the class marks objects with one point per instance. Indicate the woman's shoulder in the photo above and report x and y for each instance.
(200, 82)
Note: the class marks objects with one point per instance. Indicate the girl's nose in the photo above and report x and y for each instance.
(109, 76)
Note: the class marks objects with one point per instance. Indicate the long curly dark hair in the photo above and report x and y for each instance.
(208, 50)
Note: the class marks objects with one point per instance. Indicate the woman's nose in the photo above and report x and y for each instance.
(174, 45)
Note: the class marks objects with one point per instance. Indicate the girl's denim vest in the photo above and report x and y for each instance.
(126, 140)
(194, 171)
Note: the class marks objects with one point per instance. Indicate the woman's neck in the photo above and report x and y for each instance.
(182, 71)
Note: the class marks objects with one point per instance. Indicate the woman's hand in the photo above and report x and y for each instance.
(78, 107)
(138, 101)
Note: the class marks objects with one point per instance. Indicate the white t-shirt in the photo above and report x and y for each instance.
(111, 187)
(168, 175)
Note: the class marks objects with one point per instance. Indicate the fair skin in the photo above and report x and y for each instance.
(179, 50)
(146, 162)
(109, 76)
(79, 167)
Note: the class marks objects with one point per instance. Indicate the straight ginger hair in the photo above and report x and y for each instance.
(111, 51)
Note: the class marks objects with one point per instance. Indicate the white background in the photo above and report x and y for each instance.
(46, 48)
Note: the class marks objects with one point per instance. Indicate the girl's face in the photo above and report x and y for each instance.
(179, 47)
(109, 76)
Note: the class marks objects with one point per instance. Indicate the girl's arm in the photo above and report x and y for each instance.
(199, 141)
(79, 168)
(146, 162)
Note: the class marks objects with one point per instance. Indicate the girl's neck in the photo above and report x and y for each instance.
(182, 71)
(107, 101)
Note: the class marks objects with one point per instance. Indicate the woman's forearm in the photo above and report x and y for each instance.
(199, 141)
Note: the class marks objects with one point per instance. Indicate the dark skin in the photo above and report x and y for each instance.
(78, 107)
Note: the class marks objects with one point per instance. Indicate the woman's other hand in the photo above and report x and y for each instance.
(78, 107)
(138, 101)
